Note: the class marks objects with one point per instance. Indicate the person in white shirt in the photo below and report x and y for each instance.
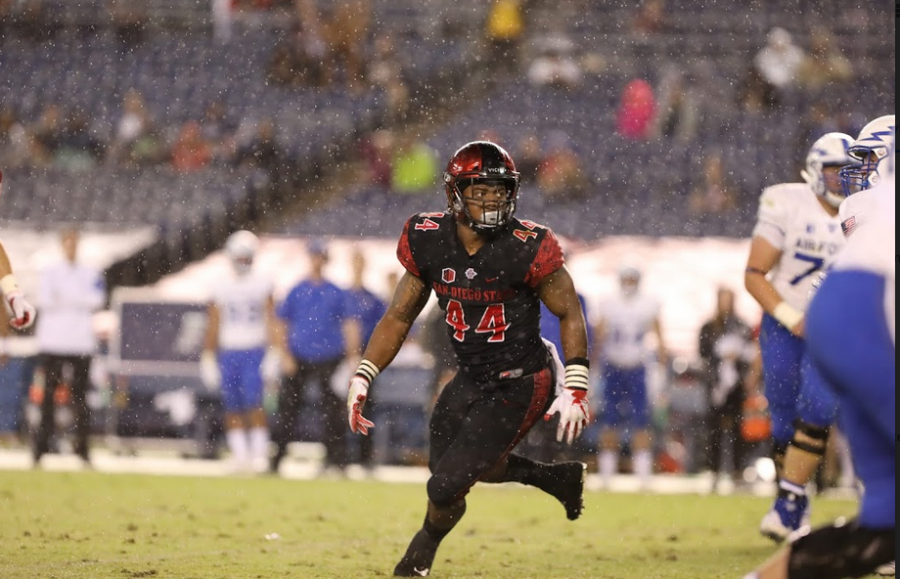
(797, 234)
(69, 293)
(624, 322)
(241, 313)
(779, 62)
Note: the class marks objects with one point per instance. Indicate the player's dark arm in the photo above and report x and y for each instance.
(558, 293)
(409, 298)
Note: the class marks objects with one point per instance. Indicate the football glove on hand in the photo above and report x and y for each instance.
(209, 370)
(21, 313)
(356, 399)
(270, 367)
(572, 406)
(572, 403)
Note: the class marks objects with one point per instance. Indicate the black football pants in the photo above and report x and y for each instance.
(330, 407)
(53, 366)
(475, 426)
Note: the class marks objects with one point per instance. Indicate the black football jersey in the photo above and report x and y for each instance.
(489, 299)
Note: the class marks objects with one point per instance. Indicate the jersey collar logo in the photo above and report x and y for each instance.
(471, 273)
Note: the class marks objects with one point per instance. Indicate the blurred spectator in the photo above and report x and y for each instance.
(222, 20)
(31, 20)
(504, 29)
(414, 166)
(133, 124)
(347, 33)
(560, 174)
(678, 112)
(147, 149)
(69, 294)
(824, 66)
(822, 117)
(301, 58)
(649, 18)
(48, 130)
(217, 131)
(190, 151)
(778, 65)
(726, 350)
(385, 71)
(376, 151)
(715, 194)
(77, 148)
(528, 158)
(318, 335)
(16, 143)
(263, 151)
(555, 65)
(129, 22)
(637, 109)
(366, 308)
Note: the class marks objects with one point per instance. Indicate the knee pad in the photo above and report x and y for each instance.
(817, 433)
(840, 550)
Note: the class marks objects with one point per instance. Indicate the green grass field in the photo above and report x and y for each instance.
(102, 525)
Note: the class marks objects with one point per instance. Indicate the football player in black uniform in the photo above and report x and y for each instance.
(490, 272)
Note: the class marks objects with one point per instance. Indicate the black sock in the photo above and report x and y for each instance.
(434, 533)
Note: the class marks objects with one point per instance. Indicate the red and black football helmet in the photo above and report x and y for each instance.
(482, 162)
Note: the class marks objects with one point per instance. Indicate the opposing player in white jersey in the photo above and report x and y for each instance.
(871, 192)
(851, 339)
(622, 326)
(797, 234)
(871, 150)
(241, 313)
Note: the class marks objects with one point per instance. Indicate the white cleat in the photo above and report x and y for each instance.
(886, 570)
(772, 527)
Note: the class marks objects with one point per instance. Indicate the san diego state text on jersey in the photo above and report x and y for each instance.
(490, 300)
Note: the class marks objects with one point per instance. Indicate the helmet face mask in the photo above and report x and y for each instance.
(482, 186)
(872, 153)
(829, 151)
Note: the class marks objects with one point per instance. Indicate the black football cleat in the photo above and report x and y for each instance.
(418, 558)
(570, 487)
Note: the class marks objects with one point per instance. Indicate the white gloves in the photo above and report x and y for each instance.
(21, 313)
(572, 404)
(270, 368)
(209, 370)
(356, 399)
